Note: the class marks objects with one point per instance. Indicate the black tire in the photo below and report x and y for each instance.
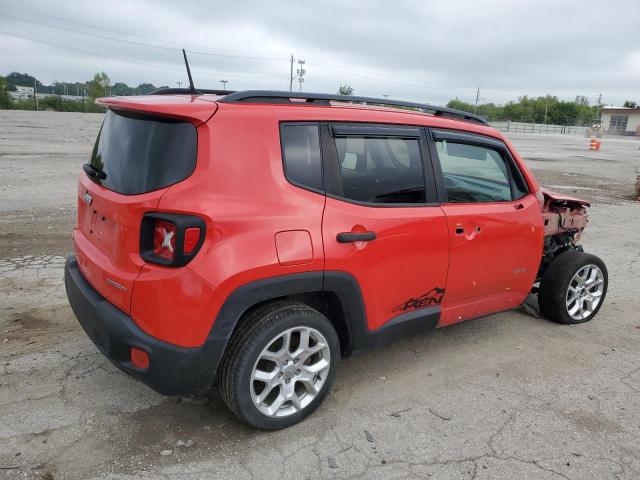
(255, 332)
(552, 297)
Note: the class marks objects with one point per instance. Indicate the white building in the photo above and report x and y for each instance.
(22, 93)
(621, 121)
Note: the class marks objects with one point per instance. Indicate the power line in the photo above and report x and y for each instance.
(324, 65)
(146, 64)
(120, 32)
(131, 42)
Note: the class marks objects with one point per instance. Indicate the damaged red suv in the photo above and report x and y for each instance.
(250, 239)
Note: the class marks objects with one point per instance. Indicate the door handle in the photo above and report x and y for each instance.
(519, 206)
(349, 237)
(476, 230)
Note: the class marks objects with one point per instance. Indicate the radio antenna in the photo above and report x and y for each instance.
(186, 64)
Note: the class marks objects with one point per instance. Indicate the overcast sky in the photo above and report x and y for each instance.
(410, 49)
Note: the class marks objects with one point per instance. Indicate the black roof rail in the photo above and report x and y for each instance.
(182, 91)
(270, 96)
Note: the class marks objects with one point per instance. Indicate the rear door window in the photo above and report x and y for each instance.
(381, 170)
(141, 153)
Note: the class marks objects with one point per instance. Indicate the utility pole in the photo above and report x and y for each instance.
(385, 95)
(291, 75)
(477, 100)
(546, 107)
(179, 84)
(35, 93)
(599, 106)
(301, 72)
(224, 84)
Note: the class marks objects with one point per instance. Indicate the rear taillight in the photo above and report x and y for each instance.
(170, 239)
(164, 239)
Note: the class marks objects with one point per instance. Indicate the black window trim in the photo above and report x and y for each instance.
(283, 124)
(333, 185)
(435, 135)
(341, 130)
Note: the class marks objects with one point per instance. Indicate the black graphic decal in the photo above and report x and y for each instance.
(429, 299)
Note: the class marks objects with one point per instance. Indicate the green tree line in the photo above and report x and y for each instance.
(547, 109)
(99, 86)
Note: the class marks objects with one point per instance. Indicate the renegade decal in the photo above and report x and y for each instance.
(429, 299)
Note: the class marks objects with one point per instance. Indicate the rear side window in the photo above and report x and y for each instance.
(381, 170)
(474, 173)
(140, 154)
(301, 155)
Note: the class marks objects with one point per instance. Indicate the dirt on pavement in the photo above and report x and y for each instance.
(508, 396)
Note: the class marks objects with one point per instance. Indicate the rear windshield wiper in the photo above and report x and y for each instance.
(94, 172)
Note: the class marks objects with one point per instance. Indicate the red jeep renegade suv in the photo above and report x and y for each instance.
(251, 239)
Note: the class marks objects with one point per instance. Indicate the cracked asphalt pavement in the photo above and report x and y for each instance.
(508, 396)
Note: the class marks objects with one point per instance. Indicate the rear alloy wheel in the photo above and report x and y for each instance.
(290, 372)
(279, 365)
(573, 288)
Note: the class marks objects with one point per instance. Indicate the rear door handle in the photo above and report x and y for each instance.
(349, 237)
(460, 230)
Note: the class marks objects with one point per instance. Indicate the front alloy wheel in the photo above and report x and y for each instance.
(573, 288)
(585, 292)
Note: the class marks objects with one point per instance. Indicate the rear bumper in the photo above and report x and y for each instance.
(172, 370)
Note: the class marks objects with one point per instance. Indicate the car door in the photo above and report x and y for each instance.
(382, 224)
(494, 222)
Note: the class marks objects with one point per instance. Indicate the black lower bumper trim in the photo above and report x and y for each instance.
(172, 370)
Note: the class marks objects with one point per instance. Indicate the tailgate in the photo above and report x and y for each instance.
(136, 158)
(107, 239)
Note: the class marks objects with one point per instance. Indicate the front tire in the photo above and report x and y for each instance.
(279, 365)
(573, 288)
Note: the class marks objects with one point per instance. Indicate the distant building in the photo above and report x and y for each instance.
(22, 93)
(621, 121)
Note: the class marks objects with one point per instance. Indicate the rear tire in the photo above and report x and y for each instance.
(573, 288)
(279, 365)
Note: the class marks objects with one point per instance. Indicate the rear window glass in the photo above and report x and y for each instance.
(140, 154)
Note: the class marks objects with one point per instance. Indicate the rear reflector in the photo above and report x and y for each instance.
(191, 239)
(139, 358)
(164, 239)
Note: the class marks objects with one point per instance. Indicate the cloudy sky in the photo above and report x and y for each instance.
(410, 49)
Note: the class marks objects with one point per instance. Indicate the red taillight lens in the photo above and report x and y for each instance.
(191, 239)
(164, 239)
(171, 239)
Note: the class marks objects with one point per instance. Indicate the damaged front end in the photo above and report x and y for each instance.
(564, 219)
